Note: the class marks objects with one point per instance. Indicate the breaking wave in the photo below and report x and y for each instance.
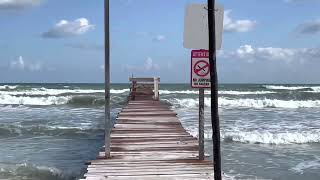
(27, 100)
(285, 87)
(268, 103)
(78, 100)
(247, 103)
(7, 87)
(245, 92)
(53, 92)
(220, 92)
(32, 172)
(256, 137)
(86, 100)
(293, 88)
(40, 130)
(179, 92)
(119, 91)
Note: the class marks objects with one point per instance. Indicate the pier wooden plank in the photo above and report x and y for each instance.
(149, 142)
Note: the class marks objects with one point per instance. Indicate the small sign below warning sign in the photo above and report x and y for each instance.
(200, 69)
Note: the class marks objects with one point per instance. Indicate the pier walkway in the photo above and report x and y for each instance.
(149, 142)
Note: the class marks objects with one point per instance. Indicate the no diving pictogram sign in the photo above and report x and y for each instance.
(200, 69)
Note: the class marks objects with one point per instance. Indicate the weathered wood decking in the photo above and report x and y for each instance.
(149, 142)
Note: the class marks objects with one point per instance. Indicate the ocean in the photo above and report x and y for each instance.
(49, 131)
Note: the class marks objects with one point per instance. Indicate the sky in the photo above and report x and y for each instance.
(274, 41)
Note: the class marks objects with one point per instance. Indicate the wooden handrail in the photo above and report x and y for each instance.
(143, 86)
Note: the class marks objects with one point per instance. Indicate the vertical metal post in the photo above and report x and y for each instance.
(156, 88)
(201, 124)
(214, 91)
(107, 79)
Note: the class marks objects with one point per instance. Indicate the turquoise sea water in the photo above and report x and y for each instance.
(48, 131)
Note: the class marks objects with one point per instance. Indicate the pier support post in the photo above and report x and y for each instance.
(201, 124)
(156, 88)
(107, 80)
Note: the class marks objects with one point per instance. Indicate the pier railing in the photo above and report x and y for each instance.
(144, 88)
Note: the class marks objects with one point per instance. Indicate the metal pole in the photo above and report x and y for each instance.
(156, 88)
(201, 124)
(214, 91)
(107, 79)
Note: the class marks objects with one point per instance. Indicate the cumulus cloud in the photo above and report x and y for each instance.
(252, 54)
(18, 4)
(309, 28)
(231, 25)
(148, 65)
(21, 64)
(65, 28)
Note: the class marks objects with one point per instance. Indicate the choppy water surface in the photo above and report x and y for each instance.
(48, 131)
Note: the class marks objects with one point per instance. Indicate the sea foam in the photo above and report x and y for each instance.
(52, 92)
(247, 103)
(264, 137)
(26, 100)
(7, 87)
(293, 88)
(220, 92)
(77, 100)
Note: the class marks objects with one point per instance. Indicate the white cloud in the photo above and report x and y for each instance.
(159, 38)
(18, 64)
(65, 28)
(21, 64)
(243, 25)
(18, 4)
(148, 65)
(252, 54)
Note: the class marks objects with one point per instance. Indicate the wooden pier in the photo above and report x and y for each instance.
(149, 142)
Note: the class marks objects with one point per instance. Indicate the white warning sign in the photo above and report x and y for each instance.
(200, 69)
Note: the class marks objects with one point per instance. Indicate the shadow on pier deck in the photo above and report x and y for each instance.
(149, 142)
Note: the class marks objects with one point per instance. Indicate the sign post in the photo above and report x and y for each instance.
(201, 124)
(203, 30)
(200, 78)
(214, 90)
(107, 80)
